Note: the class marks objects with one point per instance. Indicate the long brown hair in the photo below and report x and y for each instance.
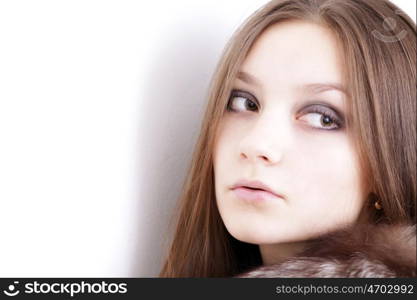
(380, 73)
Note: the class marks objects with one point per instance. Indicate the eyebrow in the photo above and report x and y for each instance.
(312, 87)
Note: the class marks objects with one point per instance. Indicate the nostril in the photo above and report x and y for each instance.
(264, 158)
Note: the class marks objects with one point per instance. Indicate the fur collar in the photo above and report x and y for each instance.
(359, 251)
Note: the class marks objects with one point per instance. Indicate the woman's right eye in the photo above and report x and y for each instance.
(240, 101)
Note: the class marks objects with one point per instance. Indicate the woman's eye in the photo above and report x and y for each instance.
(240, 101)
(320, 121)
(321, 118)
(316, 115)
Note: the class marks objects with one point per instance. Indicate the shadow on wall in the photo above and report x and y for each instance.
(170, 112)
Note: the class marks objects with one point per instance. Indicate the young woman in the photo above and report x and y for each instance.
(307, 151)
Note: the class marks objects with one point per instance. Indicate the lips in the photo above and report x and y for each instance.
(254, 190)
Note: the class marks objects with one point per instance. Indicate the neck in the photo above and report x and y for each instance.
(277, 253)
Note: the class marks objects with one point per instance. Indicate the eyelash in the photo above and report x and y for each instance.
(314, 108)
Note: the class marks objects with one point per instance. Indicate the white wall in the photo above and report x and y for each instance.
(100, 104)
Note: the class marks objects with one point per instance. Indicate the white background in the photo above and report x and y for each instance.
(100, 106)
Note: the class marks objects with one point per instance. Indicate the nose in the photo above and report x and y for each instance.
(260, 153)
(261, 156)
(264, 143)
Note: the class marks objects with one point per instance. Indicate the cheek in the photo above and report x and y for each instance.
(329, 188)
(224, 165)
(220, 158)
(222, 149)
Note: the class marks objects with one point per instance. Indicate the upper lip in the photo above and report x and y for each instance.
(255, 184)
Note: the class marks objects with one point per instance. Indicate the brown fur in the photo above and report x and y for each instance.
(361, 251)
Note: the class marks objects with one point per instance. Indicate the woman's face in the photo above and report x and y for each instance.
(284, 126)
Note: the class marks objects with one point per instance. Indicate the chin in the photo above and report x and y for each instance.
(253, 235)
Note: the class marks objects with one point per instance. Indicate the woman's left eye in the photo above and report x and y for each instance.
(319, 117)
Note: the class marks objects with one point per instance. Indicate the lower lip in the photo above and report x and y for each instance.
(254, 195)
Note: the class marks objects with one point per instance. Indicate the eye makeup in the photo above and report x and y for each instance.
(241, 101)
(327, 111)
(252, 103)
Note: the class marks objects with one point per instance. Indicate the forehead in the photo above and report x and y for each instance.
(294, 52)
